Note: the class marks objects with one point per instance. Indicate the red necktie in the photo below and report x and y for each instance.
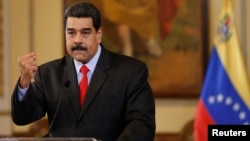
(83, 83)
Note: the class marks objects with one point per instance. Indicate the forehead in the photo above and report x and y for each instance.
(83, 22)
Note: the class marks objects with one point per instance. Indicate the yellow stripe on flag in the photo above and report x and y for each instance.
(229, 51)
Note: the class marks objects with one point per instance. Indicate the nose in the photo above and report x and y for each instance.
(78, 38)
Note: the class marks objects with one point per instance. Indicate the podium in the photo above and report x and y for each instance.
(46, 139)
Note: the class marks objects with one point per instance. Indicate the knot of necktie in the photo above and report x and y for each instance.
(84, 69)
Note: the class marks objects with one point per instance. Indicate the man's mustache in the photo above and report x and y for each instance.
(78, 47)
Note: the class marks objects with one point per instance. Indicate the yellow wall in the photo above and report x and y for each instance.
(44, 36)
(46, 39)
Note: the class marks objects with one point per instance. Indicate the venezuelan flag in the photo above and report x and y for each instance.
(225, 96)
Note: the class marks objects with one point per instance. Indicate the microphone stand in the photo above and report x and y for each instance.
(66, 85)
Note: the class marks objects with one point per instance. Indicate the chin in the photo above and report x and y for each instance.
(81, 59)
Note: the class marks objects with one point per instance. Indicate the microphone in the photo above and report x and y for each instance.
(66, 85)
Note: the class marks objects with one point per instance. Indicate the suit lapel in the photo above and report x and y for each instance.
(97, 80)
(73, 90)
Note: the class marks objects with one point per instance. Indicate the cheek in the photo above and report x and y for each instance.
(69, 41)
(68, 45)
(68, 50)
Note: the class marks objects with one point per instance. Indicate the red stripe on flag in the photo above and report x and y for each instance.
(201, 122)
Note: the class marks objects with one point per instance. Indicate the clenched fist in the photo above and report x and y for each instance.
(28, 67)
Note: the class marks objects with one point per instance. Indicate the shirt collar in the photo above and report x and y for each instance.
(91, 64)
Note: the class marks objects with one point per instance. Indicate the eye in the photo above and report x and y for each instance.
(85, 32)
(71, 32)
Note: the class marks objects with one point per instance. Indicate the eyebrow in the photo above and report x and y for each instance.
(84, 29)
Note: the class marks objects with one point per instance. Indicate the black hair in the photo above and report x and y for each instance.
(83, 9)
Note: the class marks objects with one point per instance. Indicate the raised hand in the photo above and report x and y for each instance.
(28, 67)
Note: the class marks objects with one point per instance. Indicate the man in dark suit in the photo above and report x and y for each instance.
(119, 103)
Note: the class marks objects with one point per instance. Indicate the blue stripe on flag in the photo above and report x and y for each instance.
(220, 97)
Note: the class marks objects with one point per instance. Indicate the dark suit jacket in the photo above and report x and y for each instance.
(119, 104)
